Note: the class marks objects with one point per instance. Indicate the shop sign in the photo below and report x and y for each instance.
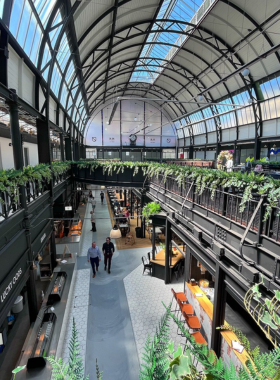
(43, 238)
(68, 208)
(9, 286)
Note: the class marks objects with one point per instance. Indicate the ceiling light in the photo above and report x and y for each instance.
(135, 119)
(107, 122)
(115, 233)
(200, 98)
(246, 72)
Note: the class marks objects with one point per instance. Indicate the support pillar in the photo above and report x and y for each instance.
(15, 133)
(43, 142)
(76, 151)
(53, 250)
(142, 218)
(131, 203)
(68, 149)
(62, 147)
(191, 151)
(167, 250)
(218, 309)
(4, 55)
(154, 242)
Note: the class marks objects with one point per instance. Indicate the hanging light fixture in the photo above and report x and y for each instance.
(115, 233)
(246, 72)
(135, 119)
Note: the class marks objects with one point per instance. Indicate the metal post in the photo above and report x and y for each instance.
(167, 250)
(218, 309)
(62, 147)
(4, 55)
(43, 142)
(15, 133)
(142, 219)
(191, 151)
(131, 203)
(153, 242)
(68, 149)
(53, 250)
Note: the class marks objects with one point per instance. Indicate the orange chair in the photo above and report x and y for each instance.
(180, 296)
(198, 337)
(186, 308)
(192, 322)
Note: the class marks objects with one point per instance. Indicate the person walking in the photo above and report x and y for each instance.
(94, 256)
(93, 203)
(102, 197)
(108, 251)
(92, 219)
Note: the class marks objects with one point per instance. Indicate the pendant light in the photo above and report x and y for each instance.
(115, 233)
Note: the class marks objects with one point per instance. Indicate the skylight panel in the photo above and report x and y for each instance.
(44, 9)
(182, 10)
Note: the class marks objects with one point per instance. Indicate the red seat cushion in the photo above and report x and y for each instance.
(181, 296)
(188, 309)
(199, 338)
(193, 322)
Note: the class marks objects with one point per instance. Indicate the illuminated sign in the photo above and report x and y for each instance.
(68, 208)
(10, 285)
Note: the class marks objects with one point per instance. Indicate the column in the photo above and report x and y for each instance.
(76, 151)
(154, 242)
(131, 202)
(15, 132)
(62, 147)
(218, 309)
(187, 275)
(167, 250)
(142, 219)
(43, 141)
(191, 151)
(53, 250)
(68, 149)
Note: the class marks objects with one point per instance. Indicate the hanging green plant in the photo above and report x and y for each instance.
(149, 209)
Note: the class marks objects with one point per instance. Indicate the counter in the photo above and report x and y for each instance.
(203, 308)
(62, 310)
(158, 264)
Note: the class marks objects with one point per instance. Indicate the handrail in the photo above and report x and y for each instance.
(186, 197)
(249, 226)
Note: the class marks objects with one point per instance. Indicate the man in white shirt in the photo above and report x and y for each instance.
(92, 219)
(94, 256)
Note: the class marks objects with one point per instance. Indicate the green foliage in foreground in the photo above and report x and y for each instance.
(161, 362)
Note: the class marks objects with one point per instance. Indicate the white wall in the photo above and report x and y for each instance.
(7, 157)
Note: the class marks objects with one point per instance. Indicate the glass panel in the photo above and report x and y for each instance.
(70, 72)
(15, 16)
(36, 43)
(30, 35)
(1, 7)
(24, 23)
(63, 53)
(44, 9)
(55, 32)
(56, 79)
(64, 94)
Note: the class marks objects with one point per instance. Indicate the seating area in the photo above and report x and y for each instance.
(185, 313)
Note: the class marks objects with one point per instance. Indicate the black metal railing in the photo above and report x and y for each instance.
(9, 204)
(225, 202)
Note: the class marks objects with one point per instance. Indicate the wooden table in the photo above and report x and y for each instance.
(158, 265)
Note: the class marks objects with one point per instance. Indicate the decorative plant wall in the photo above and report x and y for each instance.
(265, 313)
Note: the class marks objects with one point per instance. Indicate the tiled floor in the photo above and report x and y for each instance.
(115, 312)
(145, 296)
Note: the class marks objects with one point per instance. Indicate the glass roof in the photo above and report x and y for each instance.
(183, 10)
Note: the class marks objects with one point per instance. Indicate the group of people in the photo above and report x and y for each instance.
(108, 249)
(92, 201)
(94, 256)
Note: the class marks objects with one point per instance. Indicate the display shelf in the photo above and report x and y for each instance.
(45, 268)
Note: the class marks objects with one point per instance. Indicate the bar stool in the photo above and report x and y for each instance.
(198, 337)
(192, 321)
(186, 308)
(178, 296)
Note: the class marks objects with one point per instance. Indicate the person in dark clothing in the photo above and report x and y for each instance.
(102, 197)
(108, 251)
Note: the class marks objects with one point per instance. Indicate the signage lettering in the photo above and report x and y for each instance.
(43, 237)
(10, 285)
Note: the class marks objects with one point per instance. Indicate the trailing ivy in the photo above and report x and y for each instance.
(245, 184)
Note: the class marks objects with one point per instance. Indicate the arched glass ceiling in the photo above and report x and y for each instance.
(28, 23)
(184, 10)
